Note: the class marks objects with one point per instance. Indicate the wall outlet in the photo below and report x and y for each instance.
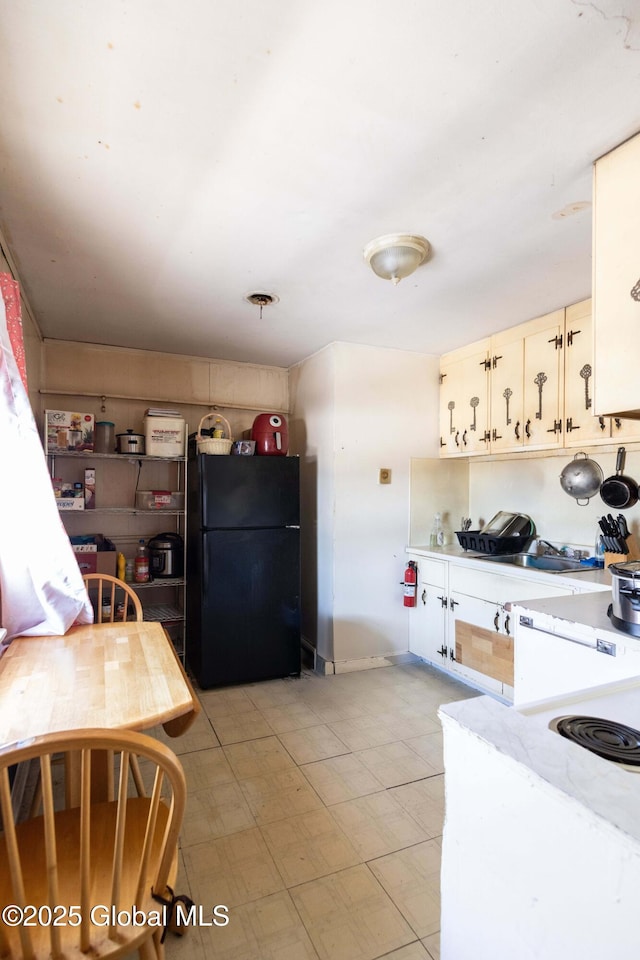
(384, 476)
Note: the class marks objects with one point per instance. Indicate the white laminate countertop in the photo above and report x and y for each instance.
(589, 578)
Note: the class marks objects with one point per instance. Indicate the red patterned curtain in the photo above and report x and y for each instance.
(10, 292)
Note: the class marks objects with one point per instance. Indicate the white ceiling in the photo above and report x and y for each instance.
(160, 160)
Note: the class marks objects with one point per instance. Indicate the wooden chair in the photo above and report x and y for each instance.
(117, 591)
(115, 854)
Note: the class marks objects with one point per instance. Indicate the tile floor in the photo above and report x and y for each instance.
(315, 815)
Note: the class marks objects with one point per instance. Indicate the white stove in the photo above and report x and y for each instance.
(604, 720)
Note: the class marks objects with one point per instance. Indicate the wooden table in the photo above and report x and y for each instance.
(118, 675)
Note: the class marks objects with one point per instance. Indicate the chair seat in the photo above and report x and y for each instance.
(30, 835)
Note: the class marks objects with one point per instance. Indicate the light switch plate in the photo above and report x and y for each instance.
(384, 476)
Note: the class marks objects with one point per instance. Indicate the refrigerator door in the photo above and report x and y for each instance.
(249, 623)
(249, 491)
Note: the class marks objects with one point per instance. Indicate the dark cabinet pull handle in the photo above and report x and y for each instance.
(443, 651)
(424, 597)
(464, 438)
(527, 429)
(456, 438)
(443, 601)
(507, 619)
(496, 621)
(603, 425)
(516, 430)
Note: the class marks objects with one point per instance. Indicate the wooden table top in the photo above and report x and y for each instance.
(118, 675)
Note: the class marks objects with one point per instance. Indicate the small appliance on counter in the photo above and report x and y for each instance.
(131, 443)
(166, 555)
(505, 533)
(271, 435)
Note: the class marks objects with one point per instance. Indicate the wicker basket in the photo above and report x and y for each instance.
(214, 445)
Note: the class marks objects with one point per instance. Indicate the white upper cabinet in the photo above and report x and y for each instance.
(616, 281)
(581, 426)
(543, 381)
(507, 390)
(464, 401)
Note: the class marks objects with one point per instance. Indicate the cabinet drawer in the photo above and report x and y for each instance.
(486, 651)
(501, 588)
(432, 571)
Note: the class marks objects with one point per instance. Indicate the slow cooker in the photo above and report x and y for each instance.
(130, 442)
(166, 555)
(624, 610)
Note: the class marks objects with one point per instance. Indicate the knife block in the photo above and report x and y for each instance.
(634, 553)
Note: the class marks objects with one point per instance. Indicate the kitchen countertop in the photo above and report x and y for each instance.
(586, 579)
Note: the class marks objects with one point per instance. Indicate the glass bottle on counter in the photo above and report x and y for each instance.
(437, 535)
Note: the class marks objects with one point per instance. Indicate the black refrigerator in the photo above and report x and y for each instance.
(243, 568)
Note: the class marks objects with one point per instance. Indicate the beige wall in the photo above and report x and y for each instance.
(132, 380)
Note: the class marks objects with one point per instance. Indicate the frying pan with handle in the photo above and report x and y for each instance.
(619, 491)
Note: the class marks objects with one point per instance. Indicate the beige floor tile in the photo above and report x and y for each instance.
(225, 702)
(415, 951)
(292, 716)
(257, 757)
(394, 764)
(314, 743)
(349, 917)
(363, 732)
(424, 800)
(215, 812)
(308, 846)
(276, 693)
(429, 748)
(330, 709)
(276, 796)
(199, 736)
(231, 870)
(241, 726)
(405, 722)
(266, 929)
(432, 945)
(411, 877)
(340, 778)
(204, 768)
(187, 947)
(377, 825)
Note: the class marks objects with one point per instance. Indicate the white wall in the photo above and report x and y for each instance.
(312, 385)
(364, 408)
(532, 485)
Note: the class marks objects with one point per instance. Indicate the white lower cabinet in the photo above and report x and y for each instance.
(460, 622)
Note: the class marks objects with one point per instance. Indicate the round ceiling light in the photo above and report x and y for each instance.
(396, 255)
(261, 300)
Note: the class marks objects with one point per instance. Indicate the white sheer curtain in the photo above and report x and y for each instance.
(40, 583)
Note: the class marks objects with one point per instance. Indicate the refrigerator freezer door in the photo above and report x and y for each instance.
(249, 491)
(249, 627)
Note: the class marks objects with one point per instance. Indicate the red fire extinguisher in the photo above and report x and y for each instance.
(410, 584)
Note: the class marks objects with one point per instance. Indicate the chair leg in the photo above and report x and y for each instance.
(148, 949)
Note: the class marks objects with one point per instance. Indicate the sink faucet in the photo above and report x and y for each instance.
(550, 548)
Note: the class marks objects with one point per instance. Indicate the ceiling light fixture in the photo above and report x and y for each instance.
(261, 300)
(396, 255)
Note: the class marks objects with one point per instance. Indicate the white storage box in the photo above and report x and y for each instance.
(164, 436)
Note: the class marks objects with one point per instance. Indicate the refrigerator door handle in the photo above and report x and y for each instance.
(292, 526)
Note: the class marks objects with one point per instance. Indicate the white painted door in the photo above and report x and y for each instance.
(543, 374)
(464, 401)
(580, 424)
(507, 390)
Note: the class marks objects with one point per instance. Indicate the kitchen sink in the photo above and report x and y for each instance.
(547, 563)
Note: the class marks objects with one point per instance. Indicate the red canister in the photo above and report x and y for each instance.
(271, 435)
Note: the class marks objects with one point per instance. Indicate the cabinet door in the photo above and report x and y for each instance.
(507, 390)
(581, 426)
(479, 648)
(616, 280)
(543, 374)
(464, 401)
(427, 625)
(622, 429)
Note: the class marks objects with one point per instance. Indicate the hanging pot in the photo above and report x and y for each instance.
(581, 478)
(619, 491)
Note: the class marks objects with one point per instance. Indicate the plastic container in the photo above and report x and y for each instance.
(105, 437)
(164, 436)
(141, 574)
(160, 500)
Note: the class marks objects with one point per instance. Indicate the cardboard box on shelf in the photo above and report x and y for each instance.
(67, 432)
(92, 560)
